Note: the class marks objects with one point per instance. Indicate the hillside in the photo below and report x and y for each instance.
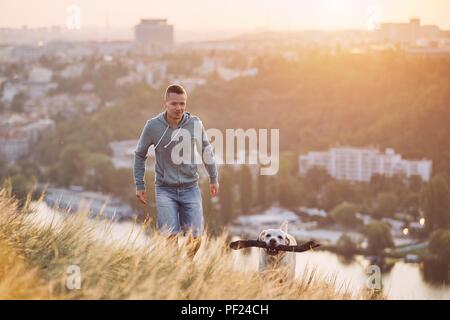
(40, 261)
(387, 99)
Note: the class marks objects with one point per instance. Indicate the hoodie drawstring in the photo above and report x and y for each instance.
(159, 141)
(173, 138)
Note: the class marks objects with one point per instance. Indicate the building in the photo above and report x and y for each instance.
(360, 164)
(123, 154)
(10, 90)
(412, 33)
(18, 132)
(35, 128)
(12, 149)
(76, 199)
(154, 34)
(40, 75)
(72, 71)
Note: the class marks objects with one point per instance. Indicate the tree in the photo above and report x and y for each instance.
(345, 214)
(435, 202)
(213, 219)
(377, 183)
(262, 183)
(226, 195)
(245, 189)
(415, 183)
(99, 174)
(379, 236)
(386, 204)
(288, 192)
(72, 164)
(17, 104)
(410, 203)
(3, 167)
(336, 192)
(345, 245)
(440, 244)
(316, 177)
(22, 185)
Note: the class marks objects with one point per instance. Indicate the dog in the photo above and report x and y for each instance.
(272, 259)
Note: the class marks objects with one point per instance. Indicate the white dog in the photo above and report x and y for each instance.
(270, 258)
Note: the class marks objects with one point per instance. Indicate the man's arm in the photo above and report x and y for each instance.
(210, 162)
(140, 155)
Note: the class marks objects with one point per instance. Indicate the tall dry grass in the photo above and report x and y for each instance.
(35, 259)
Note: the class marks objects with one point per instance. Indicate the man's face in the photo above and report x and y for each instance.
(175, 105)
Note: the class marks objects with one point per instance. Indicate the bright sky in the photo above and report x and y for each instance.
(226, 14)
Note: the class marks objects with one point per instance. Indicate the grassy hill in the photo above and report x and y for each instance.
(36, 261)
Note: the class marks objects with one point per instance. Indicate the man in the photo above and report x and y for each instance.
(178, 197)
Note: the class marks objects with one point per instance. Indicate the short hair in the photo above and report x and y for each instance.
(174, 88)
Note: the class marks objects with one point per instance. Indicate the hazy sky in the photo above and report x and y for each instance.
(225, 14)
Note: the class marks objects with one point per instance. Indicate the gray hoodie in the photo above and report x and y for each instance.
(158, 132)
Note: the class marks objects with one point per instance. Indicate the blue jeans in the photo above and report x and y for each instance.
(179, 209)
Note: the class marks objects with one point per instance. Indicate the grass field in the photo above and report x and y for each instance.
(40, 262)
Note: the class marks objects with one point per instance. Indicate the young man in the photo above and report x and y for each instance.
(178, 197)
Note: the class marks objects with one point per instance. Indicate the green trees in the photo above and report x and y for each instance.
(440, 244)
(336, 192)
(345, 214)
(262, 190)
(3, 167)
(214, 221)
(17, 104)
(345, 245)
(19, 186)
(316, 178)
(287, 192)
(226, 199)
(245, 189)
(100, 173)
(387, 204)
(71, 166)
(435, 202)
(378, 236)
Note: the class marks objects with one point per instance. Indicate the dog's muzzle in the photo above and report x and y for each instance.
(272, 250)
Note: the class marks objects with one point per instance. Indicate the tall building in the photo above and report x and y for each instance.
(411, 33)
(360, 164)
(154, 33)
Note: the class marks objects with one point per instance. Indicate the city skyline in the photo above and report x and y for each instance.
(230, 15)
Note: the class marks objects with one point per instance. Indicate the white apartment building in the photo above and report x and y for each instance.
(123, 154)
(40, 75)
(359, 164)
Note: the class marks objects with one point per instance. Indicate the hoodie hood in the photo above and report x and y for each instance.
(186, 118)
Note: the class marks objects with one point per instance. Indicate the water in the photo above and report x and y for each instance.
(403, 281)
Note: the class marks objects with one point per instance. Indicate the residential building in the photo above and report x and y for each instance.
(360, 164)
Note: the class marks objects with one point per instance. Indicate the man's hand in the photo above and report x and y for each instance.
(140, 194)
(214, 188)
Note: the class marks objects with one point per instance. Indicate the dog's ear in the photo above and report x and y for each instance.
(284, 226)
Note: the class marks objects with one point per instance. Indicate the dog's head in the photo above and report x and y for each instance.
(274, 238)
